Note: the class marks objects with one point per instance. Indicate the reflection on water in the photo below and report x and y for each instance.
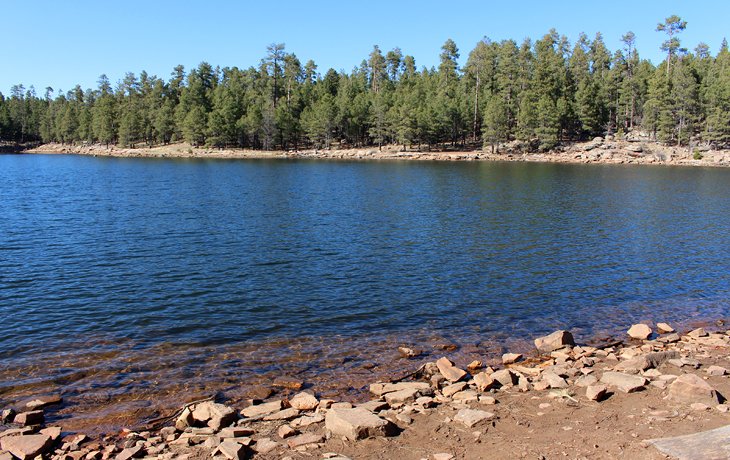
(130, 285)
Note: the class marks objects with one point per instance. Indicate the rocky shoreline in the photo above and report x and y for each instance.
(598, 151)
(566, 400)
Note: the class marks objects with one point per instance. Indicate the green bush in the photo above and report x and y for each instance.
(697, 155)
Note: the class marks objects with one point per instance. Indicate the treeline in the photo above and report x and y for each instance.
(541, 92)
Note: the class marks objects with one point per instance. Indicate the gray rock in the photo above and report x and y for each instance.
(379, 389)
(554, 341)
(471, 417)
(690, 388)
(624, 382)
(647, 361)
(357, 423)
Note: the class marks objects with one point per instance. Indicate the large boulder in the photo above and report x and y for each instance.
(554, 341)
(357, 423)
(691, 388)
(26, 447)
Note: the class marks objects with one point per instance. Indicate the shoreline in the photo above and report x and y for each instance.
(526, 405)
(598, 151)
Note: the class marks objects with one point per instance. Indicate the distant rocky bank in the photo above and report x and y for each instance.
(621, 399)
(608, 150)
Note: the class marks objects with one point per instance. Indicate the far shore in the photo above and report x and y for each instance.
(597, 151)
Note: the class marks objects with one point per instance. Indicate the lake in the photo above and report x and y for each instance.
(125, 283)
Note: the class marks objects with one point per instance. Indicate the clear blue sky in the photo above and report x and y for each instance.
(60, 44)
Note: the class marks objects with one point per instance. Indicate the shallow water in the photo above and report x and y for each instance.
(133, 281)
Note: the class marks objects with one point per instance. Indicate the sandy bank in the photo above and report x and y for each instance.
(562, 401)
(596, 151)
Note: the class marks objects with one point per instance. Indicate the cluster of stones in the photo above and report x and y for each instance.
(662, 361)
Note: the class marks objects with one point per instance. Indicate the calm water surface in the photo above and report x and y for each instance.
(129, 277)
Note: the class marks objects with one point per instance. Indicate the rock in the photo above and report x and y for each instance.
(307, 420)
(596, 392)
(379, 389)
(402, 396)
(474, 365)
(634, 148)
(375, 406)
(699, 407)
(586, 381)
(26, 447)
(261, 409)
(471, 417)
(554, 380)
(487, 400)
(664, 328)
(288, 382)
(213, 414)
(511, 358)
(7, 416)
(285, 431)
(466, 396)
(265, 445)
(233, 450)
(690, 388)
(453, 389)
(285, 414)
(639, 331)
(554, 341)
(34, 417)
(697, 333)
(357, 423)
(131, 452)
(55, 432)
(304, 401)
(185, 419)
(6, 456)
(235, 432)
(624, 382)
(443, 456)
(647, 361)
(304, 439)
(540, 385)
(43, 401)
(484, 381)
(449, 371)
(505, 377)
(669, 338)
(716, 371)
(408, 352)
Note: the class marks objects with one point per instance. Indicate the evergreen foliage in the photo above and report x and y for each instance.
(543, 93)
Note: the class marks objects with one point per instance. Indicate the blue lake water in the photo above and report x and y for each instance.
(115, 270)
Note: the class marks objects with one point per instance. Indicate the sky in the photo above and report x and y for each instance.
(61, 44)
